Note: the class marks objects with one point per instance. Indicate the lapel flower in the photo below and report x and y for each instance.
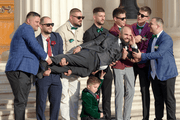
(144, 38)
(53, 43)
(97, 97)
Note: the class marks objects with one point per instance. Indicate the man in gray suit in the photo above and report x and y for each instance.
(93, 55)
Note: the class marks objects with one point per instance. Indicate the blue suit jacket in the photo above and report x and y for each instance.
(164, 58)
(56, 49)
(25, 51)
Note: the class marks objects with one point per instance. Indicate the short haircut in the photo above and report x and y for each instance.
(146, 9)
(74, 10)
(98, 9)
(118, 11)
(32, 14)
(42, 19)
(159, 20)
(92, 80)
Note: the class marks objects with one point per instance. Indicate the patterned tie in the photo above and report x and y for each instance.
(49, 47)
(154, 36)
(138, 27)
(99, 29)
(73, 28)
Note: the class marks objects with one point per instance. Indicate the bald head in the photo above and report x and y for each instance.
(126, 34)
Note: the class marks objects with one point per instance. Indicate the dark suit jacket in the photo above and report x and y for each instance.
(163, 56)
(56, 49)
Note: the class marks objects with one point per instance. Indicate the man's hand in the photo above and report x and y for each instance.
(63, 62)
(124, 54)
(138, 38)
(113, 63)
(68, 73)
(102, 74)
(49, 61)
(47, 72)
(93, 73)
(77, 49)
(137, 55)
(101, 115)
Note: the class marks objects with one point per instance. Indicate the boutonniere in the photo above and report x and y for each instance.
(144, 38)
(71, 40)
(53, 43)
(156, 47)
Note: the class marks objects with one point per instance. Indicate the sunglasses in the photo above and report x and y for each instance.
(142, 15)
(121, 18)
(79, 17)
(49, 24)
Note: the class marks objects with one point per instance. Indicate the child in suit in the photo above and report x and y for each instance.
(90, 98)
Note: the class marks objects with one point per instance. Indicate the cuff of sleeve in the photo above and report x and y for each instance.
(46, 58)
(80, 46)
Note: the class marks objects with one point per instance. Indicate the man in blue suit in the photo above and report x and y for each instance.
(23, 62)
(162, 71)
(50, 85)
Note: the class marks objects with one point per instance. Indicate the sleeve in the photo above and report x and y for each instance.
(86, 37)
(32, 43)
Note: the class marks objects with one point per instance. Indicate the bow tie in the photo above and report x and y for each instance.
(138, 27)
(73, 28)
(119, 29)
(154, 36)
(99, 29)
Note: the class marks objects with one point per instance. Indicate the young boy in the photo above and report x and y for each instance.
(90, 98)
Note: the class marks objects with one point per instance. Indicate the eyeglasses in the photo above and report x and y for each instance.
(79, 17)
(48, 24)
(121, 18)
(142, 15)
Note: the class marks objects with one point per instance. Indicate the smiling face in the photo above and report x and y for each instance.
(126, 34)
(99, 18)
(93, 87)
(46, 26)
(120, 20)
(142, 17)
(153, 26)
(34, 22)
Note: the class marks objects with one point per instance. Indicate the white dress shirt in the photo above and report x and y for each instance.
(45, 43)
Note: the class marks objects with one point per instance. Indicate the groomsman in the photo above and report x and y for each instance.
(142, 33)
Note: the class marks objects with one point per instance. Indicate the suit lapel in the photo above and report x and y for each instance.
(136, 32)
(53, 38)
(143, 32)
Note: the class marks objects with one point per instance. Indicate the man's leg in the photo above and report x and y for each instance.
(106, 93)
(21, 84)
(74, 91)
(54, 94)
(42, 87)
(119, 92)
(129, 92)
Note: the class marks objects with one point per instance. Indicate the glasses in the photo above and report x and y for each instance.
(79, 17)
(121, 18)
(49, 24)
(142, 15)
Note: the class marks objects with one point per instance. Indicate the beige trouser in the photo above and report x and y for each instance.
(70, 97)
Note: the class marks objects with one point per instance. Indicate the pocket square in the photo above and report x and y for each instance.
(71, 40)
(156, 47)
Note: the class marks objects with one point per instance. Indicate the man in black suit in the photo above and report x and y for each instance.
(51, 85)
(91, 34)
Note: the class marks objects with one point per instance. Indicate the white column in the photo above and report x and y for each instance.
(57, 10)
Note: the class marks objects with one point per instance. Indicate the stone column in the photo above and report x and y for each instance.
(57, 10)
(171, 18)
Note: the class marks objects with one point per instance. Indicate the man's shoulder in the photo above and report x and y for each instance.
(62, 27)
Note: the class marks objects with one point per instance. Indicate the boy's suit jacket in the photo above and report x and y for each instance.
(164, 58)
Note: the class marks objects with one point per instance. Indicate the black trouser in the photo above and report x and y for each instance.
(164, 93)
(106, 92)
(21, 84)
(144, 84)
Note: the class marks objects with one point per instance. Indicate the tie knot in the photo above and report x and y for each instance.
(73, 28)
(154, 36)
(138, 27)
(48, 39)
(99, 29)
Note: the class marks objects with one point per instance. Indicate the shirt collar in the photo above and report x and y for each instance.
(44, 38)
(71, 25)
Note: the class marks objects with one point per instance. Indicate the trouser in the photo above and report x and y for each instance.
(70, 97)
(21, 84)
(164, 93)
(48, 86)
(144, 85)
(123, 90)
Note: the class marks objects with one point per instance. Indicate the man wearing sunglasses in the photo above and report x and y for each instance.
(92, 33)
(142, 33)
(123, 72)
(51, 85)
(72, 34)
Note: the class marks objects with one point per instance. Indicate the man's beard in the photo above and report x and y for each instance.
(78, 25)
(123, 42)
(47, 32)
(99, 23)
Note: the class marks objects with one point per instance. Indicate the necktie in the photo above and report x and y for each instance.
(119, 29)
(99, 30)
(154, 36)
(49, 47)
(73, 28)
(138, 27)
